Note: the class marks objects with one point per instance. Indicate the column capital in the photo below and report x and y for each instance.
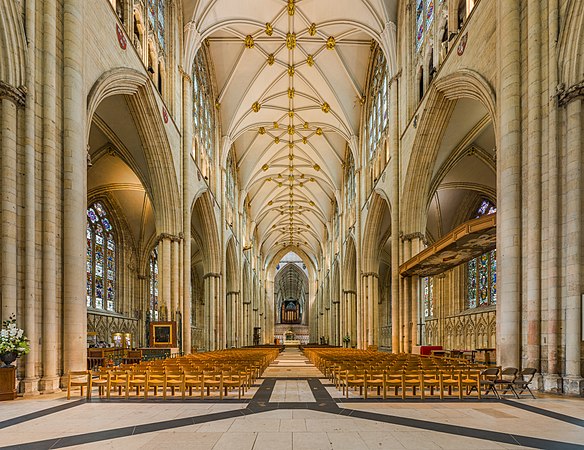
(369, 274)
(171, 237)
(16, 95)
(184, 74)
(412, 236)
(211, 275)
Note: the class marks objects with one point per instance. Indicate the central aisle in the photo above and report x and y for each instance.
(291, 363)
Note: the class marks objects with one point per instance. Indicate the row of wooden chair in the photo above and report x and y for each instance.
(422, 384)
(220, 371)
(414, 375)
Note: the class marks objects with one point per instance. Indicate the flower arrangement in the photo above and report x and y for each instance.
(12, 338)
(347, 339)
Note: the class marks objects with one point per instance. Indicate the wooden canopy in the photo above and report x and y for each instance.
(465, 242)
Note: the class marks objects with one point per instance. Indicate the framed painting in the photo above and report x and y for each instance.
(163, 334)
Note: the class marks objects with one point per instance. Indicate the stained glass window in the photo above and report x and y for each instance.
(425, 12)
(154, 284)
(429, 13)
(472, 283)
(486, 207)
(100, 259)
(156, 19)
(378, 109)
(203, 105)
(482, 271)
(428, 286)
(493, 280)
(350, 190)
(419, 24)
(482, 280)
(230, 178)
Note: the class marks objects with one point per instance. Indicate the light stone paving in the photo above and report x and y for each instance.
(327, 423)
(292, 391)
(292, 363)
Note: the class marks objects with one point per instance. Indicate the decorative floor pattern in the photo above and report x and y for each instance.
(296, 413)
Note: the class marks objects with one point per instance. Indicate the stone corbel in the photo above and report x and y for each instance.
(172, 237)
(412, 236)
(16, 95)
(567, 95)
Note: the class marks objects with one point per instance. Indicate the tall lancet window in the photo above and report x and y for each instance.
(428, 294)
(230, 176)
(203, 119)
(482, 271)
(153, 282)
(424, 20)
(378, 108)
(100, 259)
(153, 266)
(157, 21)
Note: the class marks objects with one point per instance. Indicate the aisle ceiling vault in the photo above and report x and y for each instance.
(290, 84)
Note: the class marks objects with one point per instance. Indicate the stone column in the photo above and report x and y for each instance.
(371, 292)
(74, 190)
(175, 275)
(534, 196)
(50, 308)
(417, 245)
(395, 185)
(165, 276)
(406, 300)
(573, 382)
(509, 211)
(9, 216)
(210, 294)
(552, 380)
(29, 384)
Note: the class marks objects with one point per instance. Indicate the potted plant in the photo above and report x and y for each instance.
(13, 342)
(346, 340)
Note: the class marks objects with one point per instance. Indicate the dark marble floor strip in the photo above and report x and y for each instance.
(488, 435)
(41, 413)
(96, 436)
(416, 400)
(178, 399)
(324, 403)
(546, 412)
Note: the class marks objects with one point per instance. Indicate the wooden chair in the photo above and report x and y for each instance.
(448, 380)
(156, 380)
(431, 380)
(471, 380)
(175, 379)
(193, 380)
(213, 379)
(413, 379)
(355, 378)
(376, 378)
(119, 379)
(139, 379)
(394, 378)
(79, 379)
(101, 380)
(232, 379)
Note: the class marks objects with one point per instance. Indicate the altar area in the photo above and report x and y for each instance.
(291, 335)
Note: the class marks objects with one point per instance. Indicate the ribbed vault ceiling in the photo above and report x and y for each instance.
(290, 79)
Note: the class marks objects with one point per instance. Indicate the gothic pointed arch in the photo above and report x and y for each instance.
(161, 183)
(464, 84)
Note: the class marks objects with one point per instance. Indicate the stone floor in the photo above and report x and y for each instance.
(292, 408)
